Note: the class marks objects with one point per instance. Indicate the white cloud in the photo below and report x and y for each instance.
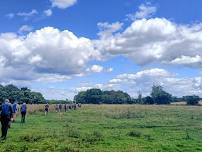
(107, 29)
(188, 60)
(95, 69)
(156, 40)
(63, 4)
(145, 79)
(109, 69)
(48, 12)
(24, 29)
(47, 51)
(33, 12)
(79, 89)
(144, 11)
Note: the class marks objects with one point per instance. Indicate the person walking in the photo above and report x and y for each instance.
(60, 107)
(6, 115)
(65, 107)
(57, 107)
(46, 109)
(15, 110)
(23, 112)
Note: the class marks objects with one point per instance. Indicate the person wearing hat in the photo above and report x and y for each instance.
(6, 115)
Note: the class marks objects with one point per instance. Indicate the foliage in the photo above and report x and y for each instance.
(97, 96)
(21, 95)
(134, 133)
(160, 96)
(192, 100)
(148, 100)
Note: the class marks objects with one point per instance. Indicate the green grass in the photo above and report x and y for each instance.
(110, 128)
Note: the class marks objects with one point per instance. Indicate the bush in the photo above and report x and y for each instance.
(134, 133)
(148, 100)
(192, 100)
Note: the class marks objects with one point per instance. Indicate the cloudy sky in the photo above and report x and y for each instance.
(61, 47)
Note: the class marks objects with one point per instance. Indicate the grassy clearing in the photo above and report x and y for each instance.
(109, 128)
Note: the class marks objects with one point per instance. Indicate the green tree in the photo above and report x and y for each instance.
(160, 96)
(21, 95)
(148, 100)
(192, 100)
(97, 96)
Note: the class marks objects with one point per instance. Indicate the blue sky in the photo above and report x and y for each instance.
(60, 47)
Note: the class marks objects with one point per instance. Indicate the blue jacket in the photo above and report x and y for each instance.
(7, 110)
(15, 107)
(24, 108)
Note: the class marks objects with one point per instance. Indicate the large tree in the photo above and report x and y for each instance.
(192, 100)
(97, 96)
(21, 95)
(160, 96)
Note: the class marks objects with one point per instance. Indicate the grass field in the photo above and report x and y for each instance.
(109, 128)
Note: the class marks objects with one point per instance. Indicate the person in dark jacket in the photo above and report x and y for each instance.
(60, 107)
(46, 109)
(6, 115)
(23, 112)
(65, 107)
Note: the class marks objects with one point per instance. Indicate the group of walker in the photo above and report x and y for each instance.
(66, 107)
(8, 114)
(59, 107)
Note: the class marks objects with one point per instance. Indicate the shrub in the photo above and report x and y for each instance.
(191, 100)
(134, 133)
(148, 100)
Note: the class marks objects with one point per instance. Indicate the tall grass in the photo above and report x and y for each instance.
(108, 128)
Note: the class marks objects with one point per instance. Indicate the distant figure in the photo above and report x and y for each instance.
(65, 107)
(15, 110)
(23, 112)
(46, 109)
(70, 106)
(79, 105)
(74, 106)
(60, 107)
(6, 115)
(57, 108)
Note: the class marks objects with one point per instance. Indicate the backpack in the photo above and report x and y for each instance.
(23, 108)
(6, 109)
(15, 107)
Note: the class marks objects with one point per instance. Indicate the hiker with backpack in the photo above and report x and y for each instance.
(65, 107)
(6, 115)
(46, 109)
(23, 110)
(60, 107)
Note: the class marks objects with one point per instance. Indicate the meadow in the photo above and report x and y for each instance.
(108, 128)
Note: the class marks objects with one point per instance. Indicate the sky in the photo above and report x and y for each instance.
(61, 47)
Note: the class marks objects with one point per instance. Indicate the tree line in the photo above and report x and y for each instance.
(96, 96)
(157, 96)
(20, 95)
